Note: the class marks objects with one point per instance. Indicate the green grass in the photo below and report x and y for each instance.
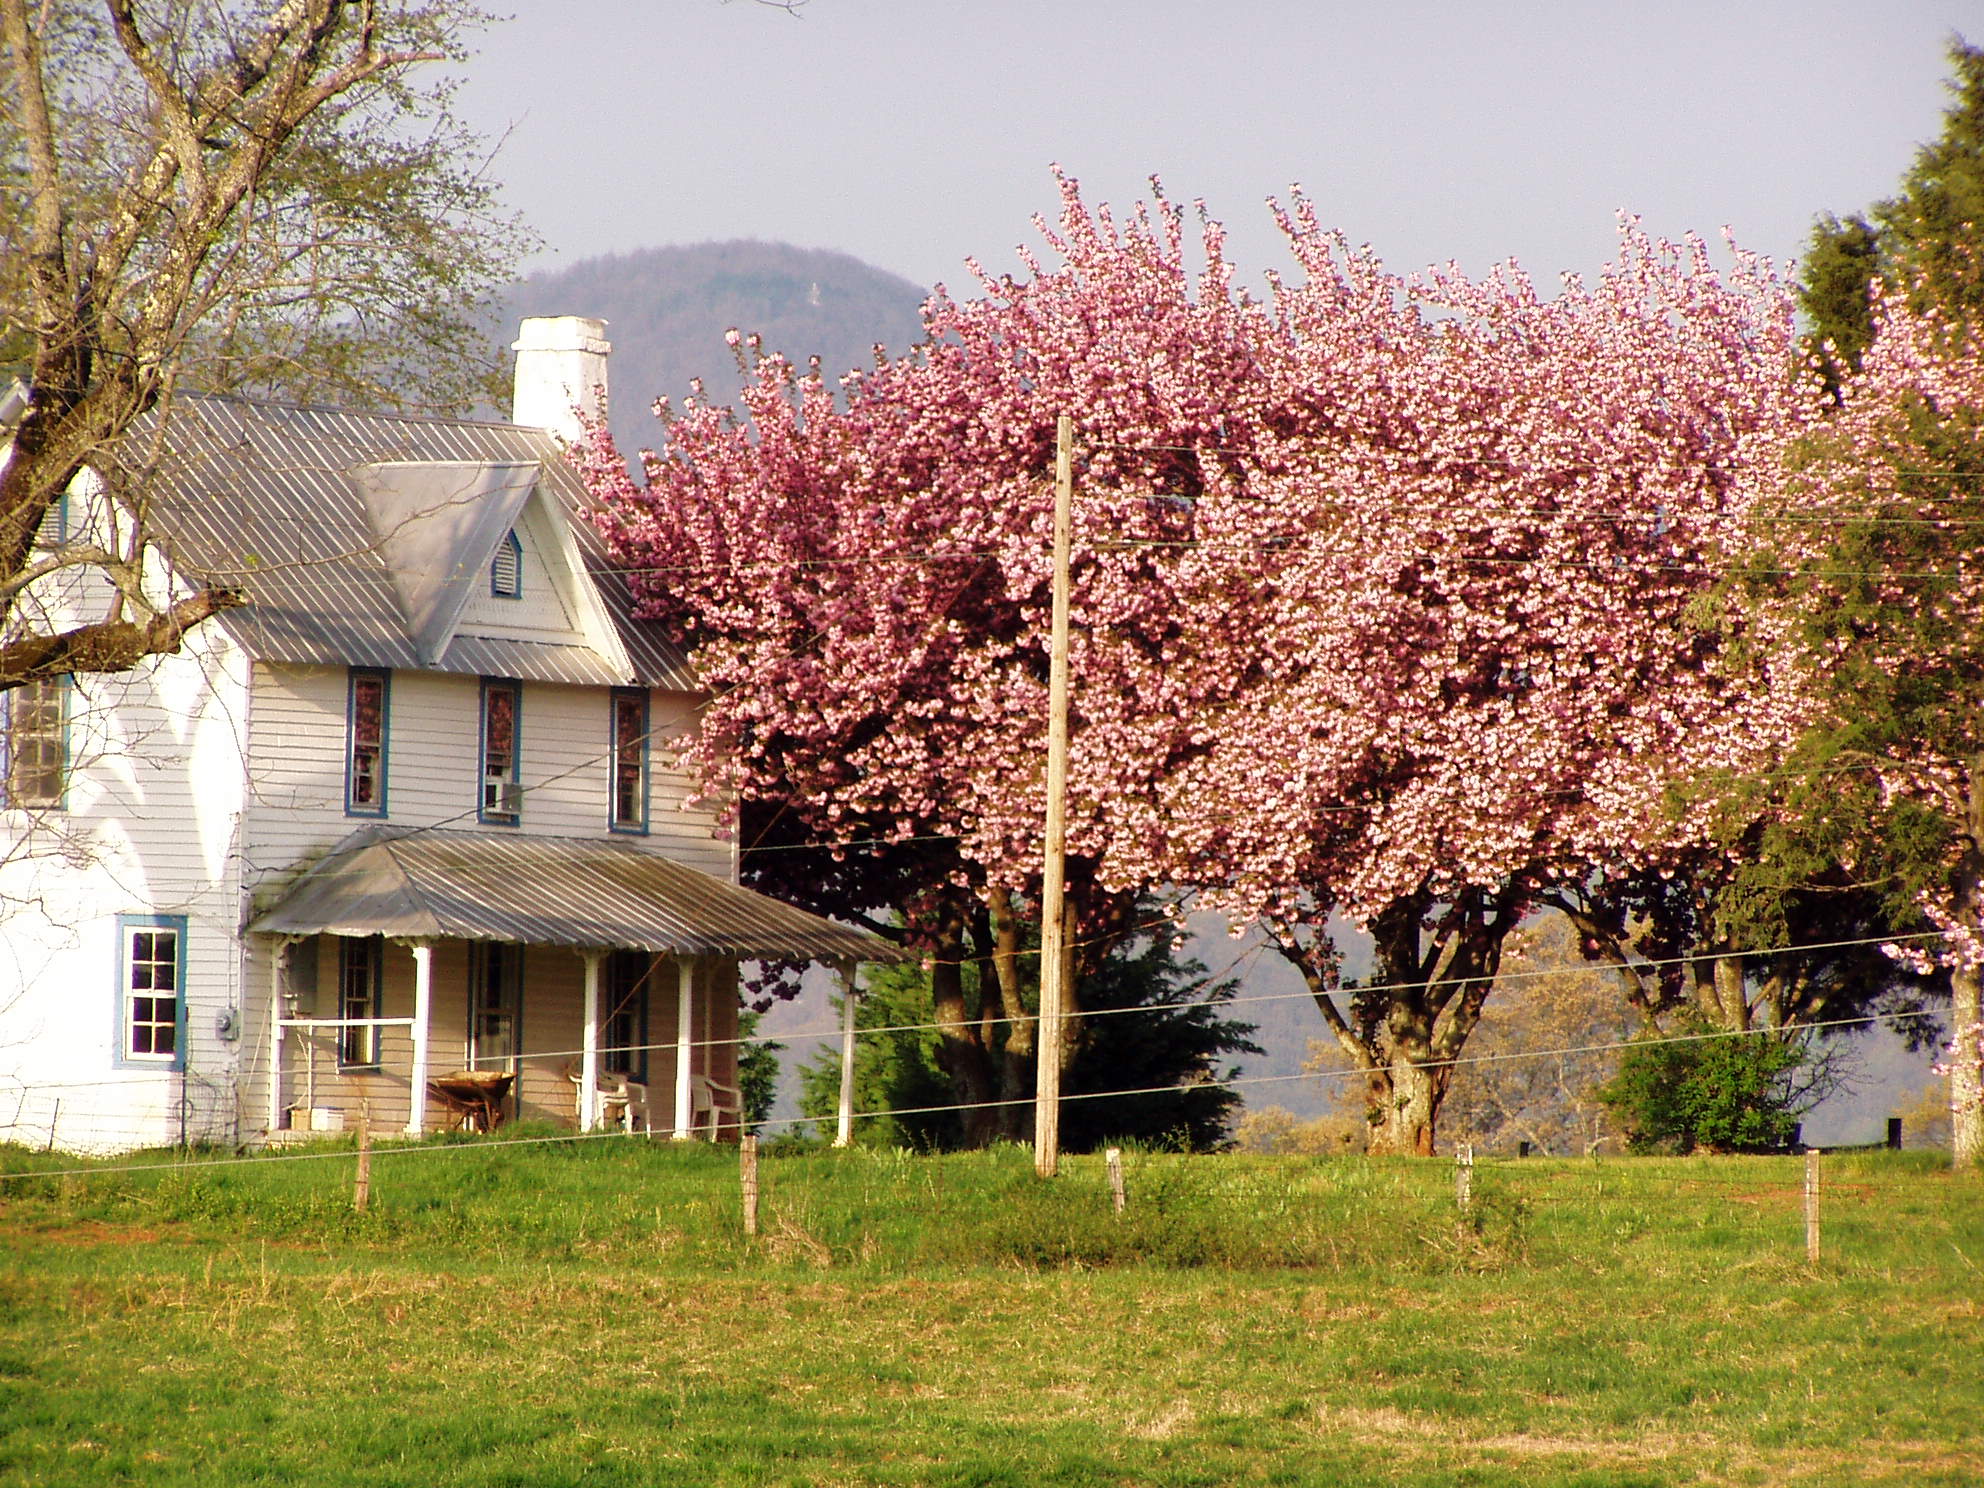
(590, 1314)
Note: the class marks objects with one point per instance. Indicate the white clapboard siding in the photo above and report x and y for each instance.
(151, 825)
(544, 608)
(297, 798)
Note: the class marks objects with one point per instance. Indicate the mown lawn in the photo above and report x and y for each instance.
(590, 1314)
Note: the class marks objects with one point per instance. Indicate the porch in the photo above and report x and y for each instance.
(600, 978)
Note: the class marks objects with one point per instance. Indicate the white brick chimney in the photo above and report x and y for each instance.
(561, 368)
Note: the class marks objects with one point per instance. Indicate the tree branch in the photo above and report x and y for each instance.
(1318, 985)
(110, 645)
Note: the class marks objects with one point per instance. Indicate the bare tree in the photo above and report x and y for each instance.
(1552, 1039)
(217, 195)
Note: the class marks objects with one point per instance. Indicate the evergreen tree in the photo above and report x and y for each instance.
(1921, 241)
(1929, 231)
(1170, 1051)
(1880, 532)
(757, 1070)
(1836, 292)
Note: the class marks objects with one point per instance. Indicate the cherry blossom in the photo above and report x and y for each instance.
(1394, 596)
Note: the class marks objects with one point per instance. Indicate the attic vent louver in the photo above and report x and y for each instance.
(506, 571)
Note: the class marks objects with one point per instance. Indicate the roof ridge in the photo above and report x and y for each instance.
(289, 405)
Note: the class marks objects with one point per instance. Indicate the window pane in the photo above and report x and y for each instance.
(500, 732)
(37, 743)
(365, 779)
(368, 699)
(499, 750)
(629, 761)
(360, 968)
(151, 973)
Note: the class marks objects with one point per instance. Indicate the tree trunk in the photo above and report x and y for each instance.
(1016, 1055)
(959, 1051)
(1405, 1032)
(1967, 991)
(1966, 1066)
(1412, 1100)
(1734, 1004)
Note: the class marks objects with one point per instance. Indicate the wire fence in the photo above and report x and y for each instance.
(688, 1205)
(209, 1109)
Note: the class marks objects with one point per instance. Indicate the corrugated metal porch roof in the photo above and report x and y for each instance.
(564, 891)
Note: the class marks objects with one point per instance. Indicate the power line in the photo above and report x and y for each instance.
(1232, 968)
(1239, 999)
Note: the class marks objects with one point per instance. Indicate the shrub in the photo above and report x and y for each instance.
(1688, 1088)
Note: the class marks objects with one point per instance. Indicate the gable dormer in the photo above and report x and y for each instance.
(435, 526)
(550, 595)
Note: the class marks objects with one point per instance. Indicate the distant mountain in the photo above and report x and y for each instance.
(668, 308)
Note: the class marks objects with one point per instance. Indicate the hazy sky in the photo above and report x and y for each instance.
(913, 133)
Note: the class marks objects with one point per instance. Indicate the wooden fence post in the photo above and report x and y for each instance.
(747, 1157)
(1464, 1176)
(361, 1187)
(1114, 1158)
(1812, 1204)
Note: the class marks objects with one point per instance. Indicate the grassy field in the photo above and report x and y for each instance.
(590, 1314)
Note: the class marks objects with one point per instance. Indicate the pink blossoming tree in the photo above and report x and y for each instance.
(1394, 597)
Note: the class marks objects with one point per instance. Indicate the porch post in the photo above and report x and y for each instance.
(423, 1008)
(844, 1124)
(589, 1045)
(685, 995)
(278, 961)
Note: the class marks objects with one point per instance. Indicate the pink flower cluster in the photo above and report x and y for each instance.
(1383, 584)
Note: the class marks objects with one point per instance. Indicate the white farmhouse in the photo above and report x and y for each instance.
(407, 816)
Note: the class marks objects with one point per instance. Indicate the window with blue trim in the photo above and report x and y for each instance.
(506, 569)
(38, 743)
(361, 980)
(502, 798)
(367, 718)
(151, 991)
(628, 810)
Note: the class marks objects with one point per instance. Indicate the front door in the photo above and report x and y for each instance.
(495, 1005)
(624, 1050)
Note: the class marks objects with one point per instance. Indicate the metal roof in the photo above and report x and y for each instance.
(271, 497)
(566, 891)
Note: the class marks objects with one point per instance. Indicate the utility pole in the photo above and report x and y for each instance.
(1053, 885)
